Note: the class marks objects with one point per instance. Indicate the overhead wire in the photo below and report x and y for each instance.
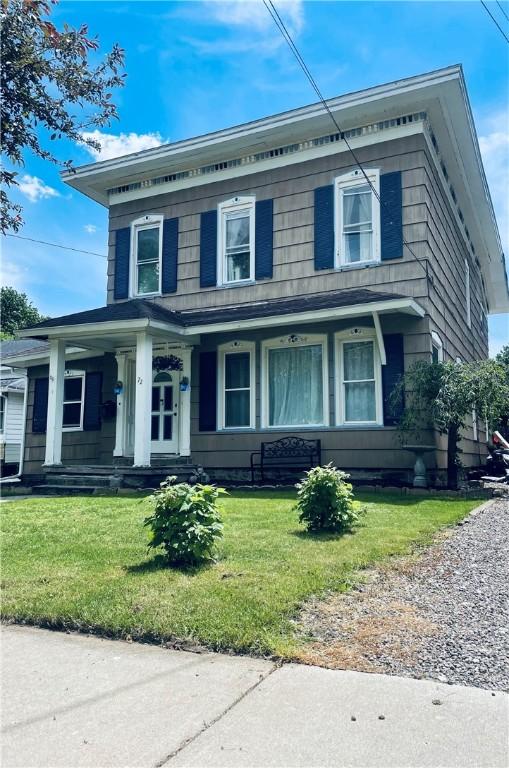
(56, 245)
(493, 19)
(502, 9)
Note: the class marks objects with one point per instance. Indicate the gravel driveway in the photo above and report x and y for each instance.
(441, 614)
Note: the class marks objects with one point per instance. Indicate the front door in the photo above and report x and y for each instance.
(164, 413)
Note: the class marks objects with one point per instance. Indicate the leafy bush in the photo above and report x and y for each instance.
(325, 501)
(186, 521)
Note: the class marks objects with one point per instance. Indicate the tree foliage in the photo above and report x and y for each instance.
(49, 82)
(443, 395)
(17, 311)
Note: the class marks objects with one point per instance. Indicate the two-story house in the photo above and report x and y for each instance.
(263, 281)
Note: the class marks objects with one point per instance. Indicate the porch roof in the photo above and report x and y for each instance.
(141, 314)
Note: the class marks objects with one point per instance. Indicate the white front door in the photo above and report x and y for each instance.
(164, 413)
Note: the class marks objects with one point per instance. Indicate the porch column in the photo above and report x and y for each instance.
(185, 406)
(120, 424)
(143, 400)
(53, 453)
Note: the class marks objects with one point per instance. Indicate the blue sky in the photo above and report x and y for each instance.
(202, 65)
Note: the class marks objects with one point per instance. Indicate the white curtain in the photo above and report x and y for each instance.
(358, 375)
(295, 386)
(357, 224)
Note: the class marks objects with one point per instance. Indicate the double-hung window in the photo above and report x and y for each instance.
(357, 218)
(74, 391)
(437, 348)
(358, 375)
(295, 381)
(236, 385)
(236, 235)
(147, 249)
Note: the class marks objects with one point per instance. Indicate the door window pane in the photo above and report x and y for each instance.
(154, 428)
(168, 427)
(168, 398)
(155, 398)
(295, 386)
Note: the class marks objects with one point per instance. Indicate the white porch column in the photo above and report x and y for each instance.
(120, 425)
(185, 406)
(55, 403)
(143, 400)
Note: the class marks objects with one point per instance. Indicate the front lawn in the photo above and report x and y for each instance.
(83, 563)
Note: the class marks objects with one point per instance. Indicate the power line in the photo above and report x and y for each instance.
(287, 36)
(56, 245)
(502, 9)
(494, 20)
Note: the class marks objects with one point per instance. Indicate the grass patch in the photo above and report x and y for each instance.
(83, 563)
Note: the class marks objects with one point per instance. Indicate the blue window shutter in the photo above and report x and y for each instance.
(391, 216)
(264, 237)
(324, 227)
(40, 409)
(208, 391)
(122, 253)
(208, 249)
(170, 255)
(392, 373)
(93, 400)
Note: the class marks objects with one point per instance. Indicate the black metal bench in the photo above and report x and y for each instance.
(286, 453)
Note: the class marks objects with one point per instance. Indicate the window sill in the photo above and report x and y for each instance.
(72, 429)
(237, 284)
(358, 265)
(146, 295)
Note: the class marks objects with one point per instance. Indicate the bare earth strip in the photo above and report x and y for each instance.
(441, 614)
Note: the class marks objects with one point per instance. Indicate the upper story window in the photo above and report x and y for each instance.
(74, 391)
(146, 249)
(467, 294)
(236, 385)
(357, 218)
(236, 235)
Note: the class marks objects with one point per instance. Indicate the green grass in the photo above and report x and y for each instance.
(83, 563)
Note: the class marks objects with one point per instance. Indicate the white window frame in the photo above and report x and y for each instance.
(150, 221)
(232, 348)
(468, 299)
(436, 343)
(232, 206)
(340, 339)
(283, 342)
(347, 181)
(69, 374)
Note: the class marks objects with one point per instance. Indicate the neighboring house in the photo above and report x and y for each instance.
(285, 293)
(12, 402)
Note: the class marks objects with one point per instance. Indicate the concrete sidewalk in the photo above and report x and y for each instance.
(71, 700)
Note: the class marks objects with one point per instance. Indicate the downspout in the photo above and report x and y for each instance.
(16, 478)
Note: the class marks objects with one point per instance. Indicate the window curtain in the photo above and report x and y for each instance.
(295, 386)
(357, 223)
(359, 374)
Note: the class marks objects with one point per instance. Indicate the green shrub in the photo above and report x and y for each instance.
(325, 501)
(186, 521)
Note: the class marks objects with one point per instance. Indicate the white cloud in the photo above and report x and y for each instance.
(494, 145)
(90, 228)
(123, 144)
(253, 13)
(13, 275)
(35, 189)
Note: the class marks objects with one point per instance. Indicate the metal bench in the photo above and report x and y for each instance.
(287, 453)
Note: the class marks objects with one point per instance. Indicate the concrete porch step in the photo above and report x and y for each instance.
(96, 481)
(64, 490)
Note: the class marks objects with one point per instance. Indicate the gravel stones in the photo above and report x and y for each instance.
(442, 614)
